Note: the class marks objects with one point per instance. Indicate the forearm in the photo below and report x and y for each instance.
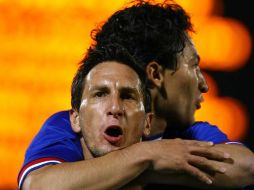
(111, 171)
(183, 167)
(175, 180)
(240, 171)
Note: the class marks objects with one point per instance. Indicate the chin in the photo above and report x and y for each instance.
(97, 152)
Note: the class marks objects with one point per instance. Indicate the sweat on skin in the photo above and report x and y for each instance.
(112, 102)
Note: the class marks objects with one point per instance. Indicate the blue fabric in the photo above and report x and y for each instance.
(55, 139)
(202, 131)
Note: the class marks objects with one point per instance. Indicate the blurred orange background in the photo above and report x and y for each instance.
(42, 42)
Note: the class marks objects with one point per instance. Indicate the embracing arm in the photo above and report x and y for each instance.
(239, 171)
(106, 172)
(239, 168)
(111, 171)
(119, 168)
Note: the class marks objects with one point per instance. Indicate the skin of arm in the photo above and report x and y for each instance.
(118, 168)
(239, 171)
(106, 172)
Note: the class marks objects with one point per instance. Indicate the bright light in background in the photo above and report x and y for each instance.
(42, 41)
(199, 8)
(225, 44)
(227, 113)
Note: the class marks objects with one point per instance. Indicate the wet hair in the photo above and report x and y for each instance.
(95, 56)
(149, 31)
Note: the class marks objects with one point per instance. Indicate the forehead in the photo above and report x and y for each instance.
(113, 71)
(189, 52)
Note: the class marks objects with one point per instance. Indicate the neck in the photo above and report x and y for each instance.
(158, 125)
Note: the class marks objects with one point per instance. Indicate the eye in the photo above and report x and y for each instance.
(127, 96)
(100, 94)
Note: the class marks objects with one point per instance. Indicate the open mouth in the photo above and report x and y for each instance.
(114, 131)
(113, 134)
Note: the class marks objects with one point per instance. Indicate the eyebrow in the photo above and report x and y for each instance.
(126, 89)
(129, 90)
(99, 87)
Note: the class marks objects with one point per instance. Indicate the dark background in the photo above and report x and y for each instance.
(239, 84)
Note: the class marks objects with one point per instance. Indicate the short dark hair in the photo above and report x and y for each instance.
(150, 31)
(95, 56)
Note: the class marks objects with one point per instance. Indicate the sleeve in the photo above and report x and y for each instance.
(55, 143)
(203, 131)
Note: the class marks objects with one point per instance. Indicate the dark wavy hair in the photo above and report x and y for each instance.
(95, 56)
(150, 31)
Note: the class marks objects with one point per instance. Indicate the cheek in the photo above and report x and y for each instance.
(90, 119)
(188, 84)
(187, 95)
(192, 85)
(180, 91)
(135, 110)
(135, 123)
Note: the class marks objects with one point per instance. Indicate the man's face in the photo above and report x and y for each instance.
(112, 113)
(183, 88)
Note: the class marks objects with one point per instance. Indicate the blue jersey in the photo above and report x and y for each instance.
(201, 131)
(56, 142)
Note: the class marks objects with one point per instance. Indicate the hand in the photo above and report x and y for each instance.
(190, 157)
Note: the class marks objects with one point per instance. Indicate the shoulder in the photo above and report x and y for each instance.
(58, 117)
(53, 144)
(56, 128)
(205, 131)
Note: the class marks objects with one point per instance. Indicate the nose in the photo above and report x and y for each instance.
(203, 86)
(115, 107)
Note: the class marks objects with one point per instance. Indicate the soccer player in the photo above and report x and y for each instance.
(110, 114)
(157, 36)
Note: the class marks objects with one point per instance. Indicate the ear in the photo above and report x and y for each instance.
(74, 118)
(148, 124)
(154, 74)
